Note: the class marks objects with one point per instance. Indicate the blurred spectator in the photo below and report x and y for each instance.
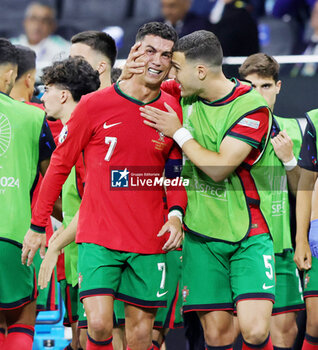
(39, 26)
(177, 14)
(235, 27)
(309, 69)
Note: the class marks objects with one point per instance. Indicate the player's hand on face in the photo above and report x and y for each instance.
(47, 266)
(283, 146)
(134, 64)
(302, 256)
(31, 243)
(166, 122)
(173, 225)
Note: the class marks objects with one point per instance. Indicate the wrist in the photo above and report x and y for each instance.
(291, 164)
(181, 136)
(175, 213)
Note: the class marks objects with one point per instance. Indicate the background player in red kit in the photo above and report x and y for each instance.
(119, 244)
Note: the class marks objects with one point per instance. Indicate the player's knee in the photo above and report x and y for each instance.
(139, 333)
(220, 334)
(99, 328)
(255, 335)
(312, 324)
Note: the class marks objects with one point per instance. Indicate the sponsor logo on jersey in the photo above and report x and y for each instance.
(208, 189)
(159, 295)
(250, 123)
(267, 287)
(120, 178)
(185, 293)
(107, 126)
(63, 134)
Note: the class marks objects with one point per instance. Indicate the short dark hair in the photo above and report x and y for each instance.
(261, 64)
(8, 52)
(162, 30)
(26, 60)
(201, 44)
(73, 74)
(98, 41)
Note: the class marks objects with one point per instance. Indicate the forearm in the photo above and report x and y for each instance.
(211, 163)
(68, 235)
(293, 179)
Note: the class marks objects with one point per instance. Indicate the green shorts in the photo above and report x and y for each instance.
(136, 279)
(17, 281)
(289, 294)
(74, 309)
(119, 313)
(216, 275)
(311, 280)
(47, 299)
(171, 316)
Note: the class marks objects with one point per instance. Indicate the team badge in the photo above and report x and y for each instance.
(80, 279)
(63, 134)
(307, 278)
(185, 293)
(160, 144)
(120, 178)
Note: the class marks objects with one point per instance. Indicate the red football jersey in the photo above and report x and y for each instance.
(122, 206)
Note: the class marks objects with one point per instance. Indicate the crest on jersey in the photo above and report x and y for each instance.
(63, 134)
(5, 134)
(185, 293)
(307, 278)
(161, 136)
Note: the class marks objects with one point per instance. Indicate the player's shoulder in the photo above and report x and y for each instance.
(28, 110)
(98, 96)
(168, 98)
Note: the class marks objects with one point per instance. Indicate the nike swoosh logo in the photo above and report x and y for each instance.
(110, 125)
(159, 295)
(267, 287)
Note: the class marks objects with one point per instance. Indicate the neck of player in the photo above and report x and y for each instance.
(216, 88)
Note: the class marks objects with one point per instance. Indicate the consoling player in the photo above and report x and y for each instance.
(121, 233)
(227, 242)
(26, 144)
(262, 71)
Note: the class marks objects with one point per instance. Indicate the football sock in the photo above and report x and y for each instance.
(99, 344)
(20, 336)
(310, 343)
(2, 336)
(266, 345)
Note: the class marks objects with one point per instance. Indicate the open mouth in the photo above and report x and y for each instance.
(154, 71)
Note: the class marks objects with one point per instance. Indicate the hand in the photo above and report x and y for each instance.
(166, 122)
(302, 255)
(56, 234)
(132, 67)
(47, 266)
(283, 146)
(31, 243)
(173, 225)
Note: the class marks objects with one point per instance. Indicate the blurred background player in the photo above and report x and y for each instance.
(26, 145)
(262, 71)
(39, 26)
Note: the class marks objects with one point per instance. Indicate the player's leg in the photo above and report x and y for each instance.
(119, 336)
(253, 285)
(139, 323)
(99, 275)
(20, 327)
(311, 298)
(143, 289)
(82, 324)
(206, 265)
(218, 328)
(288, 300)
(171, 316)
(18, 305)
